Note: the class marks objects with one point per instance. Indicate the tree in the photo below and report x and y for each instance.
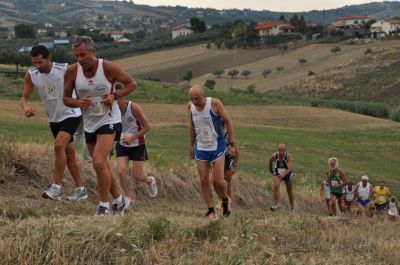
(246, 73)
(62, 54)
(188, 75)
(24, 31)
(336, 50)
(233, 73)
(266, 72)
(198, 26)
(302, 61)
(14, 57)
(218, 73)
(210, 84)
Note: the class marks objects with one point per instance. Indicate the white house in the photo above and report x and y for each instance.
(274, 27)
(116, 35)
(181, 30)
(386, 26)
(351, 20)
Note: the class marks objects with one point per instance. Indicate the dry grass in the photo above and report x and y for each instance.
(288, 117)
(319, 59)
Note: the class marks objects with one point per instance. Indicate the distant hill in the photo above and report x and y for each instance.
(86, 12)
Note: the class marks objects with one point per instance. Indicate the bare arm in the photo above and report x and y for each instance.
(26, 94)
(271, 163)
(115, 73)
(219, 108)
(192, 133)
(321, 191)
(145, 127)
(344, 178)
(69, 85)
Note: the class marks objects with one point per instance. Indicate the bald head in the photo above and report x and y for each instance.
(282, 150)
(196, 94)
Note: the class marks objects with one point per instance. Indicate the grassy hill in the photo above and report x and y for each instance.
(171, 229)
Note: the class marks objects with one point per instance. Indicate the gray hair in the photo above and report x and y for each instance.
(84, 40)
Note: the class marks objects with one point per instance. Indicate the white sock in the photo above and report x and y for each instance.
(118, 200)
(56, 186)
(105, 204)
(81, 188)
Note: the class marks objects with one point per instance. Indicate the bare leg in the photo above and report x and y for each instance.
(218, 177)
(228, 178)
(277, 184)
(122, 164)
(203, 170)
(332, 203)
(60, 161)
(73, 165)
(289, 189)
(138, 173)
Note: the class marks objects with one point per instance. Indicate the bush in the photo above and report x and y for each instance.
(233, 73)
(302, 61)
(218, 73)
(266, 72)
(188, 75)
(211, 231)
(251, 89)
(395, 115)
(336, 50)
(246, 73)
(157, 228)
(210, 84)
(368, 51)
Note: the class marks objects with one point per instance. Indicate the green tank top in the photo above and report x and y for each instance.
(334, 179)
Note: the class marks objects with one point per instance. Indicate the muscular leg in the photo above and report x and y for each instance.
(341, 204)
(218, 177)
(60, 161)
(332, 203)
(100, 153)
(328, 206)
(203, 170)
(289, 189)
(73, 165)
(122, 163)
(277, 184)
(228, 178)
(138, 173)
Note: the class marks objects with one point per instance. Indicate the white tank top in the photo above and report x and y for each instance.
(50, 87)
(349, 194)
(327, 191)
(130, 126)
(98, 114)
(363, 193)
(393, 211)
(208, 127)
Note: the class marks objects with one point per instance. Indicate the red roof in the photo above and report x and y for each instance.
(287, 26)
(117, 33)
(268, 24)
(180, 27)
(393, 21)
(352, 17)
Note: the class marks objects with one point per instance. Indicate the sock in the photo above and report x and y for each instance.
(105, 204)
(81, 188)
(117, 200)
(56, 186)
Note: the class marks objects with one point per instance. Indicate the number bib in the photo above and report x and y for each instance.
(96, 107)
(382, 199)
(281, 170)
(334, 183)
(52, 92)
(206, 135)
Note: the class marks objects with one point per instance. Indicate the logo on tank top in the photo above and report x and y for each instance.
(90, 82)
(130, 119)
(101, 87)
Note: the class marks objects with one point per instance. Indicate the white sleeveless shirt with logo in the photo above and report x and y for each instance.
(50, 87)
(393, 210)
(208, 127)
(327, 190)
(130, 126)
(364, 192)
(95, 87)
(349, 195)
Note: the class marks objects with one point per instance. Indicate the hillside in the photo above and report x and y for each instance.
(87, 12)
(170, 229)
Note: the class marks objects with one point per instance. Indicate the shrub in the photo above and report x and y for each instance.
(218, 73)
(210, 84)
(336, 50)
(211, 231)
(251, 89)
(246, 73)
(368, 51)
(395, 115)
(188, 75)
(266, 72)
(302, 61)
(233, 73)
(157, 228)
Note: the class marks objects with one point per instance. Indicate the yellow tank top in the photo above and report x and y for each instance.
(381, 195)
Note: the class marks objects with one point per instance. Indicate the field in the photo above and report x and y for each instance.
(170, 229)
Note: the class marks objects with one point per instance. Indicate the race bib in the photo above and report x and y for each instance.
(334, 183)
(206, 135)
(96, 107)
(382, 198)
(52, 92)
(281, 170)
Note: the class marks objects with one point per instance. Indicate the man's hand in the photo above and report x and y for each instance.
(129, 139)
(108, 99)
(231, 150)
(29, 112)
(85, 102)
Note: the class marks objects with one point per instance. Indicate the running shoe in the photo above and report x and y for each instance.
(53, 193)
(153, 190)
(274, 208)
(226, 208)
(77, 195)
(103, 211)
(119, 208)
(211, 214)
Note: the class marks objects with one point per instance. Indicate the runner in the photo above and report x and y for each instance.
(393, 209)
(325, 194)
(349, 198)
(337, 179)
(363, 194)
(47, 78)
(381, 196)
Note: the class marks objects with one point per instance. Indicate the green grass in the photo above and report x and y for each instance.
(372, 152)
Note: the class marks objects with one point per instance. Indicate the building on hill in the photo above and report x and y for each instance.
(348, 26)
(61, 42)
(352, 20)
(181, 30)
(274, 27)
(383, 27)
(116, 35)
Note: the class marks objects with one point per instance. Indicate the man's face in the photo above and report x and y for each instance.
(382, 184)
(196, 99)
(42, 64)
(85, 56)
(282, 150)
(332, 164)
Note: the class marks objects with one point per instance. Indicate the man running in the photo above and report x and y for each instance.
(337, 179)
(281, 166)
(207, 145)
(47, 78)
(349, 196)
(364, 196)
(381, 196)
(132, 147)
(94, 80)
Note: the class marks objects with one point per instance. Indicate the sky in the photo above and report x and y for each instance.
(273, 5)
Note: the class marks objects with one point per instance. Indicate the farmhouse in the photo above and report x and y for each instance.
(181, 30)
(388, 26)
(274, 27)
(352, 25)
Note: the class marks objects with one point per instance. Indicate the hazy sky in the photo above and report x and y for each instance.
(273, 5)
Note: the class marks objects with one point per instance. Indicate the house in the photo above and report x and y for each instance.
(48, 45)
(274, 27)
(351, 20)
(61, 42)
(388, 26)
(181, 30)
(61, 34)
(116, 35)
(25, 49)
(123, 40)
(348, 26)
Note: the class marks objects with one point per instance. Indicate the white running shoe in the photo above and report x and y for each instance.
(53, 193)
(77, 195)
(153, 190)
